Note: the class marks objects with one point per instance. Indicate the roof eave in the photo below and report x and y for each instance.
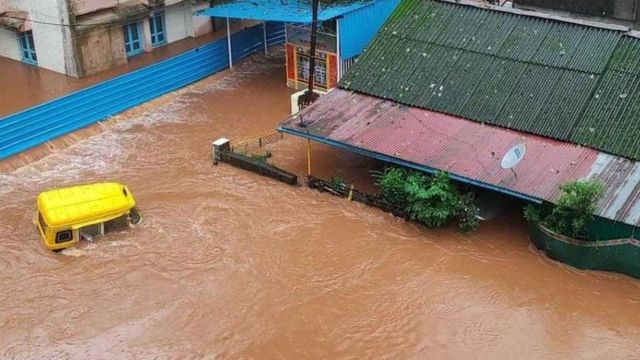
(405, 163)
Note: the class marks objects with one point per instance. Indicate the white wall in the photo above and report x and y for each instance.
(50, 41)
(146, 35)
(178, 27)
(9, 44)
(49, 44)
(201, 24)
(182, 24)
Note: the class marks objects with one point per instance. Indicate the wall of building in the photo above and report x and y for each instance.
(81, 7)
(99, 49)
(9, 44)
(359, 27)
(50, 38)
(176, 19)
(82, 51)
(201, 24)
(182, 24)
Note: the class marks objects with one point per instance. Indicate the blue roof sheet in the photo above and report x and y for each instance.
(295, 11)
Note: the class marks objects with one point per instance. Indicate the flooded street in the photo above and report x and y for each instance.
(228, 264)
(32, 85)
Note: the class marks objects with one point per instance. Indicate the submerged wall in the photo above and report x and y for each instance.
(621, 255)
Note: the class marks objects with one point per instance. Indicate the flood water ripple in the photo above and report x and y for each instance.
(228, 264)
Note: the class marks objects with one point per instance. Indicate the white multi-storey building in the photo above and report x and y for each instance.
(83, 37)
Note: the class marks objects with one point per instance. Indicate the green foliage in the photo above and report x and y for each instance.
(468, 220)
(336, 182)
(532, 213)
(261, 157)
(430, 200)
(572, 211)
(575, 208)
(392, 187)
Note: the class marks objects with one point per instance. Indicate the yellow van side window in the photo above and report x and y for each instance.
(43, 225)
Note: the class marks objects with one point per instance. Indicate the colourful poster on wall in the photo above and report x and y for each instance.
(298, 63)
(333, 70)
(291, 62)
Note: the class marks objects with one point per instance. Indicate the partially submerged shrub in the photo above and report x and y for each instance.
(336, 182)
(532, 213)
(572, 211)
(575, 207)
(261, 157)
(468, 220)
(392, 184)
(433, 201)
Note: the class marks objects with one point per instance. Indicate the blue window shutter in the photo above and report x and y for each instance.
(28, 48)
(157, 27)
(132, 39)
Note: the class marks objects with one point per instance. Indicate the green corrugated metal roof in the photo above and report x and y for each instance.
(611, 120)
(558, 79)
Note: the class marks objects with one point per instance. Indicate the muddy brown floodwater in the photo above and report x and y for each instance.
(228, 264)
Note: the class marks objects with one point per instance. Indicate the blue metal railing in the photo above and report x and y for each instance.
(52, 119)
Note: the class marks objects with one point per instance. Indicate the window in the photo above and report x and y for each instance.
(321, 69)
(43, 225)
(64, 236)
(156, 25)
(132, 39)
(27, 47)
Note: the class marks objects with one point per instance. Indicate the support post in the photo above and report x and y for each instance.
(286, 36)
(339, 53)
(309, 157)
(229, 44)
(213, 19)
(264, 33)
(312, 59)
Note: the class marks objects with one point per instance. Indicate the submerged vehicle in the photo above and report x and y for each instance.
(66, 215)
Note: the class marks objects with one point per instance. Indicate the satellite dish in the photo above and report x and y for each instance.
(513, 156)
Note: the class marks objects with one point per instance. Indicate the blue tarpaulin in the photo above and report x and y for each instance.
(293, 11)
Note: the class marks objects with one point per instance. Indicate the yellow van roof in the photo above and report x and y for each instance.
(84, 204)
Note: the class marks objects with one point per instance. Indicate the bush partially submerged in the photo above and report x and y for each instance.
(336, 182)
(433, 201)
(572, 211)
(261, 157)
(392, 184)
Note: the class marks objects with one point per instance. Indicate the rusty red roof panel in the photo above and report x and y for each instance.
(468, 150)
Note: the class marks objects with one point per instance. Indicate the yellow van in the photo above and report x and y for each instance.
(69, 214)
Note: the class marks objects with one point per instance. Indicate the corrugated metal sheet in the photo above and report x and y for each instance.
(507, 35)
(621, 178)
(612, 120)
(66, 114)
(468, 150)
(295, 11)
(358, 27)
(543, 76)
